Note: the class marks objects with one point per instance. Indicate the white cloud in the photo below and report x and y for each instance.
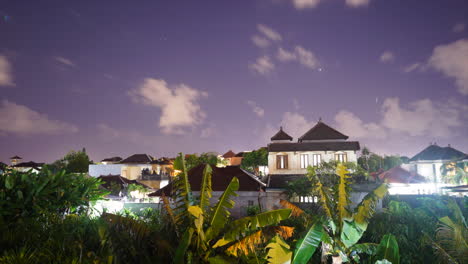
(6, 75)
(260, 112)
(413, 67)
(260, 42)
(263, 65)
(269, 32)
(284, 55)
(419, 118)
(65, 61)
(305, 57)
(351, 125)
(21, 120)
(460, 27)
(179, 104)
(452, 60)
(301, 4)
(295, 124)
(357, 3)
(208, 131)
(387, 57)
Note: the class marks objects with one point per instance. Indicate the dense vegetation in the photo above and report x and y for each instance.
(47, 218)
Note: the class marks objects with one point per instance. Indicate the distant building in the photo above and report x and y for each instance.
(112, 160)
(429, 161)
(15, 160)
(28, 166)
(288, 160)
(228, 156)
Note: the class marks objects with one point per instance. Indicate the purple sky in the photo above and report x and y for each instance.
(162, 77)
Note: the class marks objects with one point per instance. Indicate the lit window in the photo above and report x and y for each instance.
(282, 161)
(341, 157)
(304, 161)
(316, 159)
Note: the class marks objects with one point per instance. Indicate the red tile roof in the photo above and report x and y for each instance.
(400, 175)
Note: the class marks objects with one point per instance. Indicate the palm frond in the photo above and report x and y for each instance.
(220, 212)
(342, 193)
(306, 246)
(205, 191)
(366, 207)
(170, 213)
(247, 244)
(278, 251)
(295, 210)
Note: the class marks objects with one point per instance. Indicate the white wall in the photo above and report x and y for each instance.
(96, 170)
(294, 160)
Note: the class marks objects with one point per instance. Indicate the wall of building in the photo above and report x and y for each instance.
(294, 160)
(429, 169)
(133, 171)
(96, 170)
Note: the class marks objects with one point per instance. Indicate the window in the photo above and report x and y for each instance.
(316, 159)
(304, 161)
(341, 157)
(250, 202)
(282, 161)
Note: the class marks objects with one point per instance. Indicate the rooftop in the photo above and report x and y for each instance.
(281, 135)
(322, 131)
(138, 159)
(435, 152)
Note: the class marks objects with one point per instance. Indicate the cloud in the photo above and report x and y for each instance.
(269, 32)
(413, 67)
(387, 57)
(6, 75)
(452, 60)
(352, 125)
(21, 120)
(65, 61)
(284, 55)
(179, 104)
(260, 42)
(419, 118)
(295, 124)
(109, 133)
(302, 4)
(459, 27)
(208, 131)
(357, 3)
(305, 57)
(260, 112)
(263, 65)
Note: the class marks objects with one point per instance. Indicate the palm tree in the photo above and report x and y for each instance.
(340, 229)
(203, 230)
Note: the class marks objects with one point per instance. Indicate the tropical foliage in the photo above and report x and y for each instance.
(254, 159)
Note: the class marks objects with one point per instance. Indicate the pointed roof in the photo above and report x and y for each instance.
(400, 175)
(113, 159)
(229, 154)
(434, 152)
(16, 157)
(138, 158)
(322, 131)
(281, 135)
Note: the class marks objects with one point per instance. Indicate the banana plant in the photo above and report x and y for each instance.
(204, 230)
(340, 229)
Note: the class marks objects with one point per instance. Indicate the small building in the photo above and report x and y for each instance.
(429, 161)
(112, 160)
(28, 166)
(322, 143)
(250, 190)
(237, 159)
(228, 156)
(15, 160)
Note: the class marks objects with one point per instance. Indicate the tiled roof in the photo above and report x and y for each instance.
(229, 154)
(29, 164)
(108, 179)
(281, 135)
(434, 152)
(138, 158)
(322, 131)
(400, 175)
(113, 159)
(220, 179)
(16, 157)
(314, 146)
(162, 161)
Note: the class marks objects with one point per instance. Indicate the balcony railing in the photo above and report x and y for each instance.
(148, 176)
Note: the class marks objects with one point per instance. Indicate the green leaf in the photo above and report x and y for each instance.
(388, 249)
(184, 243)
(351, 233)
(220, 211)
(205, 191)
(306, 247)
(278, 251)
(383, 261)
(366, 207)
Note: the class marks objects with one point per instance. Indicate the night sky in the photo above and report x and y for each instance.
(161, 77)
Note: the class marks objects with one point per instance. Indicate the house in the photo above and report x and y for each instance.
(15, 160)
(28, 166)
(250, 190)
(288, 160)
(429, 161)
(228, 156)
(142, 167)
(399, 174)
(116, 184)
